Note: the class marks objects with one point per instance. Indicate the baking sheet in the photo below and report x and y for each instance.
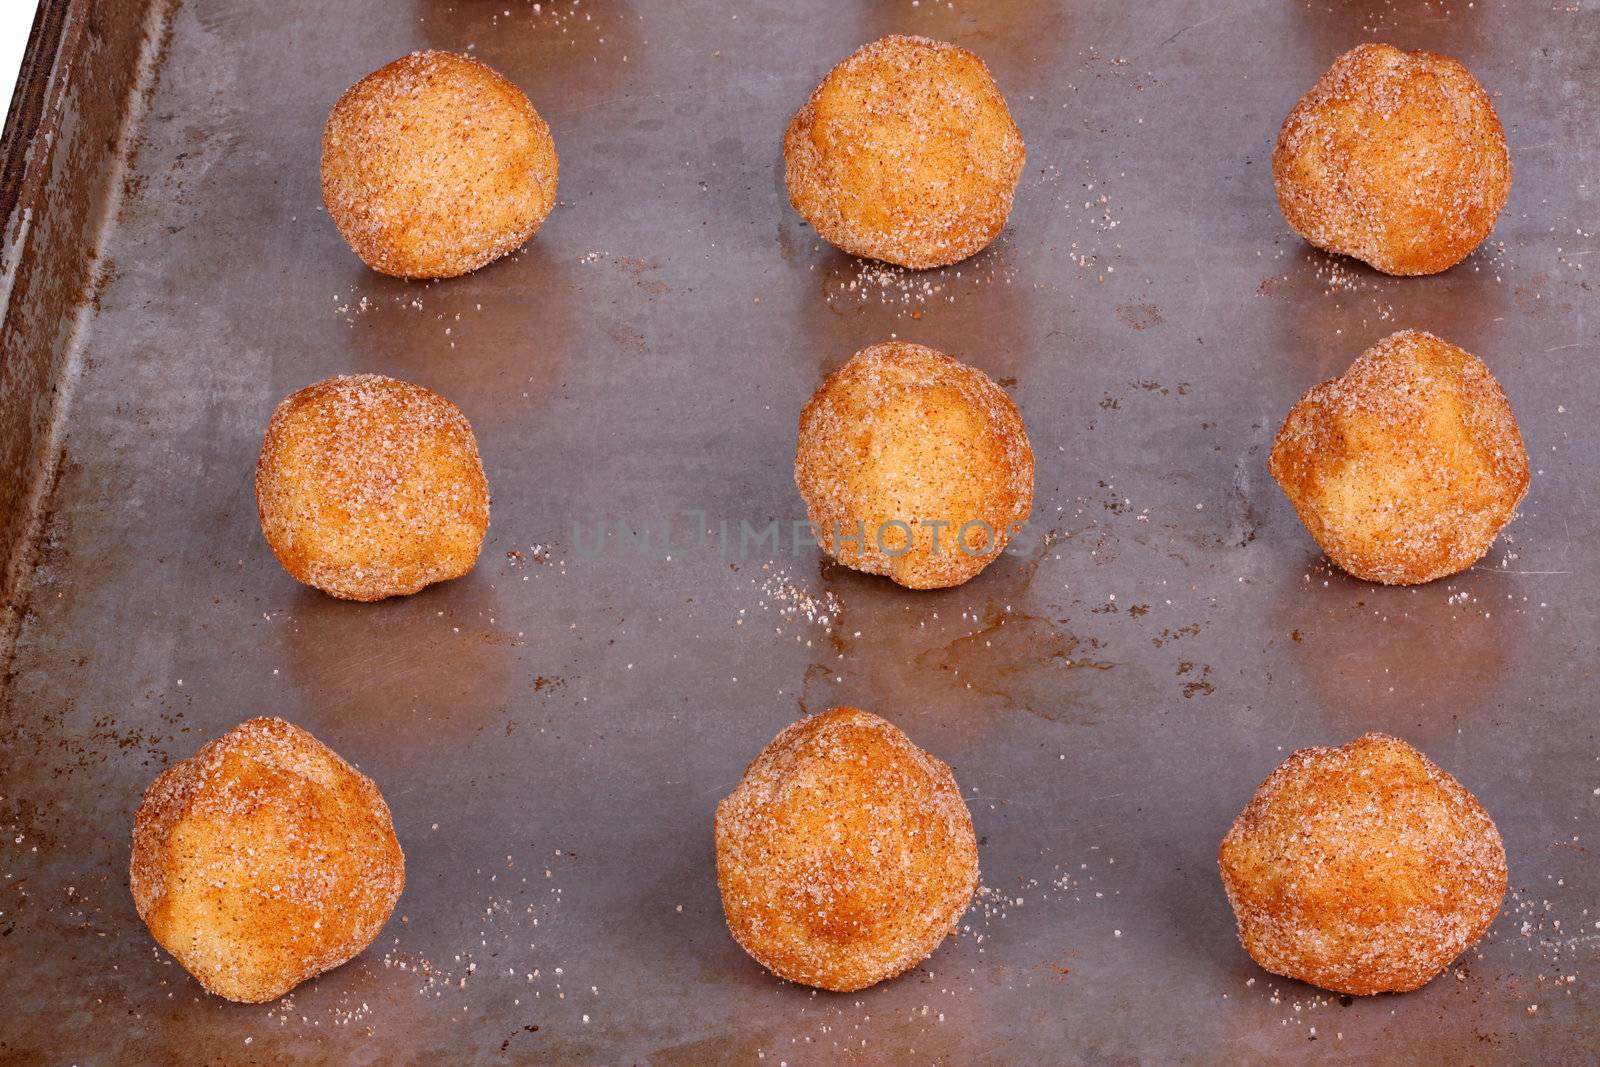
(553, 731)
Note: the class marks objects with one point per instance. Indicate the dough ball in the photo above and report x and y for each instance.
(263, 860)
(369, 487)
(1394, 158)
(435, 165)
(1405, 467)
(913, 465)
(846, 854)
(906, 153)
(1362, 869)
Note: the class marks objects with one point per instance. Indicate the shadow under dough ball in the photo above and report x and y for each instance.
(905, 153)
(1406, 467)
(913, 465)
(436, 165)
(370, 487)
(1395, 158)
(264, 860)
(1363, 869)
(846, 854)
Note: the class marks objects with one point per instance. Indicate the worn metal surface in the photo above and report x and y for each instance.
(74, 90)
(554, 731)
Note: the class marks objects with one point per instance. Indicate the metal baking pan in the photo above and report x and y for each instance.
(553, 731)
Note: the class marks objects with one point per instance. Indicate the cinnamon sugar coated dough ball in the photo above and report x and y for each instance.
(435, 165)
(1362, 869)
(846, 854)
(369, 487)
(906, 153)
(1406, 467)
(264, 860)
(913, 465)
(1395, 158)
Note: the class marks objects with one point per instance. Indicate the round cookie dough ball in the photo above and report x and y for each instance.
(369, 487)
(1405, 467)
(263, 860)
(1395, 158)
(435, 165)
(846, 854)
(906, 153)
(1362, 869)
(913, 465)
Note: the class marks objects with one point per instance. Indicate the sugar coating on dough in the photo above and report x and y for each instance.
(1395, 158)
(1362, 869)
(435, 165)
(906, 153)
(1406, 467)
(846, 854)
(264, 859)
(370, 487)
(904, 434)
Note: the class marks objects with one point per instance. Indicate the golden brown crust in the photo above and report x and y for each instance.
(1362, 869)
(263, 860)
(905, 435)
(1395, 158)
(370, 487)
(436, 165)
(846, 854)
(906, 153)
(1406, 467)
